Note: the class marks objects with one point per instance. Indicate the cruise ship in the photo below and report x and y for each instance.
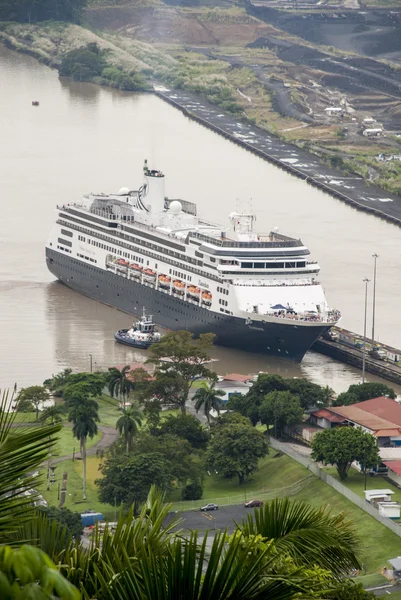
(137, 248)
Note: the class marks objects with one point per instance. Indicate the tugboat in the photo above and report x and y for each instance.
(141, 335)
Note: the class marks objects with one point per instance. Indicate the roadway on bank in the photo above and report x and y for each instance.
(352, 190)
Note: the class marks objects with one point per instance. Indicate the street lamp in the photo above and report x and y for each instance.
(375, 257)
(365, 281)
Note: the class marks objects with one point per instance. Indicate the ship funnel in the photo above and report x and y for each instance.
(153, 190)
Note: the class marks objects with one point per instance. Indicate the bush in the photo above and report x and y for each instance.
(192, 491)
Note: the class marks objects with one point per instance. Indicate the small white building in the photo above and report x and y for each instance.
(391, 510)
(334, 110)
(373, 132)
(376, 496)
(368, 121)
(234, 383)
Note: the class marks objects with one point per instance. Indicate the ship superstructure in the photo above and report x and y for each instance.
(137, 248)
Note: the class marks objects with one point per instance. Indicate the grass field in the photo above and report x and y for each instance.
(356, 482)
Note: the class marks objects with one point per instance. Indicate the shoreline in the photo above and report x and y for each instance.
(366, 194)
(350, 189)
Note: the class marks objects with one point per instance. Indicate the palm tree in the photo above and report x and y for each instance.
(23, 449)
(311, 536)
(119, 383)
(84, 415)
(128, 423)
(208, 397)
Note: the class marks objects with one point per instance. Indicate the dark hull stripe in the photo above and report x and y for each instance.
(277, 339)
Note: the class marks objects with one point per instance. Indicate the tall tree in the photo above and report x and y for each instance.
(363, 391)
(128, 479)
(84, 416)
(341, 446)
(280, 409)
(35, 394)
(128, 423)
(184, 426)
(179, 361)
(209, 397)
(235, 448)
(119, 382)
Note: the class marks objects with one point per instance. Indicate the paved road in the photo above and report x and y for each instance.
(109, 436)
(223, 518)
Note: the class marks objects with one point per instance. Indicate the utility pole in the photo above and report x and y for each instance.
(366, 281)
(375, 257)
(90, 357)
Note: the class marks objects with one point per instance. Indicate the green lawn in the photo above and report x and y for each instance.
(67, 443)
(373, 580)
(74, 489)
(356, 482)
(396, 596)
(275, 470)
(378, 544)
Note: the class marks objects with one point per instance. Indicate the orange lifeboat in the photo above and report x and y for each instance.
(206, 297)
(193, 291)
(149, 273)
(164, 281)
(179, 286)
(121, 262)
(135, 270)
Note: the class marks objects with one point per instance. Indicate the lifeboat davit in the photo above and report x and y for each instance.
(179, 286)
(193, 291)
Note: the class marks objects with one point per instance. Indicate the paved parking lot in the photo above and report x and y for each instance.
(223, 518)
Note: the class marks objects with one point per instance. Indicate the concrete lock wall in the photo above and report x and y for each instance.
(339, 487)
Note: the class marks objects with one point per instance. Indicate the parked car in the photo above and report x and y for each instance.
(210, 506)
(253, 503)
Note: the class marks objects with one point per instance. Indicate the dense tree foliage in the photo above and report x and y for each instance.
(280, 409)
(309, 394)
(186, 427)
(178, 361)
(235, 447)
(34, 395)
(89, 63)
(363, 391)
(65, 518)
(341, 446)
(31, 11)
(128, 479)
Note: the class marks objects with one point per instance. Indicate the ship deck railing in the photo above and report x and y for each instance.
(328, 318)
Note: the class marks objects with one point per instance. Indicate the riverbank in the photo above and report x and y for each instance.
(354, 191)
(48, 42)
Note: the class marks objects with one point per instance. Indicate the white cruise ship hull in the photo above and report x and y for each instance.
(289, 340)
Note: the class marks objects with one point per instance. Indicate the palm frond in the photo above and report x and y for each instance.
(22, 450)
(310, 535)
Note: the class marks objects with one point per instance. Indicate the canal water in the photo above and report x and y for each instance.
(85, 138)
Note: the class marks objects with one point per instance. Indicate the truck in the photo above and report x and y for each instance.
(378, 353)
(90, 517)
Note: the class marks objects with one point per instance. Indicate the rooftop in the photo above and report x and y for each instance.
(383, 407)
(366, 419)
(237, 377)
(327, 414)
(394, 465)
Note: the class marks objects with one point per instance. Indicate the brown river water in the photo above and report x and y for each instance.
(85, 138)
